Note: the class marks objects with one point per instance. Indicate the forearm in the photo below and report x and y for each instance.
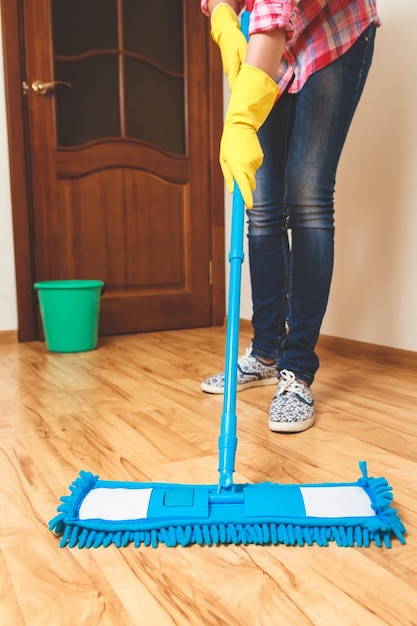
(265, 50)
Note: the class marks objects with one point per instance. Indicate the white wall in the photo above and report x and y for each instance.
(374, 290)
(8, 310)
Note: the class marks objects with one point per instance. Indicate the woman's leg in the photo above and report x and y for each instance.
(268, 255)
(268, 235)
(324, 110)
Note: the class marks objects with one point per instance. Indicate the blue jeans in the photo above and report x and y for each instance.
(291, 225)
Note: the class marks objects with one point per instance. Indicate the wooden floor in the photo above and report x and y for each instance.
(133, 410)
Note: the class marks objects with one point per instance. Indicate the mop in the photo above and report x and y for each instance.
(101, 513)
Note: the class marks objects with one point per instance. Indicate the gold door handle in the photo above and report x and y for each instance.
(42, 89)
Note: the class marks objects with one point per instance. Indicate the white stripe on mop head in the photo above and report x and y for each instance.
(115, 504)
(331, 502)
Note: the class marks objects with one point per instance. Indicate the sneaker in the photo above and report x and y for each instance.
(250, 373)
(292, 409)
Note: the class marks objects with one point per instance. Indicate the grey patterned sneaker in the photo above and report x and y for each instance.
(292, 409)
(250, 373)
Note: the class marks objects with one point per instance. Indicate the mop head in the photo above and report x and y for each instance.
(101, 513)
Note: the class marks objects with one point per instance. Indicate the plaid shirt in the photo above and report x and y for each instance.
(318, 32)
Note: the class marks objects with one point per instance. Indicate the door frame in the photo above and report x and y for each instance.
(20, 179)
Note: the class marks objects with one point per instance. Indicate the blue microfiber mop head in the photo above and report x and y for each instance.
(100, 513)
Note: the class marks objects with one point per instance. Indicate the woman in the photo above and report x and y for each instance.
(295, 88)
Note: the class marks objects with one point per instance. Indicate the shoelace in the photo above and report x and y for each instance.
(288, 378)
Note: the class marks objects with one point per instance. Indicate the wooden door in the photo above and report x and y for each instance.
(121, 146)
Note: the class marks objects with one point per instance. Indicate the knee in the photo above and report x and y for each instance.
(266, 218)
(310, 200)
(311, 207)
(263, 225)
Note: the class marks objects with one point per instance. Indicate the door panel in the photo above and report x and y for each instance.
(135, 228)
(120, 160)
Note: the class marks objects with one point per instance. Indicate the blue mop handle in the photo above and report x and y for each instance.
(228, 439)
(244, 23)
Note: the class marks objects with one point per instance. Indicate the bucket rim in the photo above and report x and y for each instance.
(69, 284)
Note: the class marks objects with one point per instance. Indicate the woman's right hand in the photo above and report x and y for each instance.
(240, 151)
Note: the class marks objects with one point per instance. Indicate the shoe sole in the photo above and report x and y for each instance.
(255, 383)
(290, 427)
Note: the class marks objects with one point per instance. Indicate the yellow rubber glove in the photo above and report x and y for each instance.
(251, 101)
(225, 31)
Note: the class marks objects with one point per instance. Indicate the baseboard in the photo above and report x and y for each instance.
(8, 337)
(392, 356)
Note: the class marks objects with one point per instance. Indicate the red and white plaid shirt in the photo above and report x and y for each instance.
(318, 31)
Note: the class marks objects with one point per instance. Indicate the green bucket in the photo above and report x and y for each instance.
(70, 311)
